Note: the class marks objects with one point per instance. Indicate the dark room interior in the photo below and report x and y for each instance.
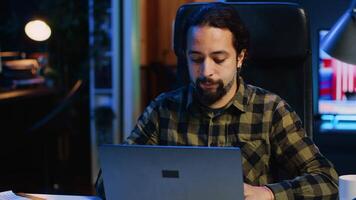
(104, 61)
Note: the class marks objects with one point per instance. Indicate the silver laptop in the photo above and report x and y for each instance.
(136, 172)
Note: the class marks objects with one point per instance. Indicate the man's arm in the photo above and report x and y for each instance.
(145, 131)
(315, 175)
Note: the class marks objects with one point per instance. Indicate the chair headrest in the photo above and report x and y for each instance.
(277, 30)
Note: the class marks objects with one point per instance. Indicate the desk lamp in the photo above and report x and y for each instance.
(340, 42)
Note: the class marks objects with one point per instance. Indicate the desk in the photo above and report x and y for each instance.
(59, 197)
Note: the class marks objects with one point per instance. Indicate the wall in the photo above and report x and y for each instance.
(157, 19)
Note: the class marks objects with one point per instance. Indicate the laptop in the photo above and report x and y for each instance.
(142, 172)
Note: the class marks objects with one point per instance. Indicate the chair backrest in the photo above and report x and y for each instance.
(279, 56)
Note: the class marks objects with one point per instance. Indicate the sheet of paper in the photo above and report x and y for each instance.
(9, 195)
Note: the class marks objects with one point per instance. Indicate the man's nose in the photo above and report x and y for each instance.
(206, 69)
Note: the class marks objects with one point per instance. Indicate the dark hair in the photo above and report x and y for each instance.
(220, 15)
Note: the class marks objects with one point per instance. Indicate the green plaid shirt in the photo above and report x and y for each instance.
(268, 131)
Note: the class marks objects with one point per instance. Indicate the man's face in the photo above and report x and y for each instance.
(212, 62)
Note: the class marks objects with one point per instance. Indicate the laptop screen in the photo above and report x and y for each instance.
(171, 172)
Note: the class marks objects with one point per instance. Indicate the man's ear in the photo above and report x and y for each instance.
(241, 58)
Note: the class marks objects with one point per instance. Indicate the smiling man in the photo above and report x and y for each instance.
(217, 108)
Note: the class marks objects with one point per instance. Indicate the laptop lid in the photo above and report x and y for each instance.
(137, 172)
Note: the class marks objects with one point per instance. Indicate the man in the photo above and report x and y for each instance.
(218, 109)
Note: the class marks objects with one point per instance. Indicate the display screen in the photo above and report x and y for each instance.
(337, 91)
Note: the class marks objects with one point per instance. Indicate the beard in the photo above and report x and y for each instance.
(208, 97)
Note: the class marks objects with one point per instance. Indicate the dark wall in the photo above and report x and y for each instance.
(13, 17)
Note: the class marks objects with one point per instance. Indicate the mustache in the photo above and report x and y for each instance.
(206, 80)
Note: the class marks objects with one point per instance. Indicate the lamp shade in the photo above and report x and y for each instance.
(340, 42)
(37, 30)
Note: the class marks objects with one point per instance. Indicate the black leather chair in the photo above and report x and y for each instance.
(279, 56)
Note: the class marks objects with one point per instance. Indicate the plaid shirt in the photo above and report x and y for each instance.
(268, 131)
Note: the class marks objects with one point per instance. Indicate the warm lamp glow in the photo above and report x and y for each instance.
(37, 30)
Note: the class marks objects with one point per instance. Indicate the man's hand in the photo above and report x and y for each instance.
(257, 192)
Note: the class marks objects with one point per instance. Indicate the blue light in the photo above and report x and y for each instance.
(338, 122)
(327, 117)
(346, 118)
(345, 126)
(327, 126)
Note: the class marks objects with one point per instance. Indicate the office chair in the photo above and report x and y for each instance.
(279, 57)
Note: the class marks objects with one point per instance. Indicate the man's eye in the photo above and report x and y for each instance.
(197, 59)
(219, 61)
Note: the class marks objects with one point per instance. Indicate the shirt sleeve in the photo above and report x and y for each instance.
(145, 131)
(315, 176)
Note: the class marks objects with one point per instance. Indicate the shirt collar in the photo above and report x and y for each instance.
(242, 96)
(240, 100)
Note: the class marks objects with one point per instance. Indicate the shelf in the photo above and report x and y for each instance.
(24, 93)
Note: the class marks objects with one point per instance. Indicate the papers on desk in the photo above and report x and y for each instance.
(9, 195)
